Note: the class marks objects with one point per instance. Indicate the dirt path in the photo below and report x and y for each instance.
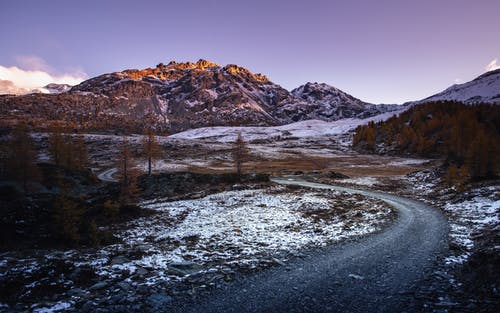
(373, 274)
(107, 175)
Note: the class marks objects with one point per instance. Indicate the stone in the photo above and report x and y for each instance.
(158, 300)
(118, 260)
(142, 289)
(184, 268)
(123, 285)
(357, 277)
(141, 271)
(78, 292)
(88, 306)
(98, 286)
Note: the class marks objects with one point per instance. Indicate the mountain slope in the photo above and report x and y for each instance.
(333, 104)
(180, 96)
(188, 95)
(483, 89)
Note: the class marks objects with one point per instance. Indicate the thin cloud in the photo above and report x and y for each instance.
(14, 80)
(492, 66)
(33, 63)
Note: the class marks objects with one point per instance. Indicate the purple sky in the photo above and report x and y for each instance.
(379, 51)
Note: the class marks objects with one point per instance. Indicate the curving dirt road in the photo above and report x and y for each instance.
(372, 274)
(107, 175)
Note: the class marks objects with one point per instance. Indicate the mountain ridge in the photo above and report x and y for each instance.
(483, 89)
(179, 96)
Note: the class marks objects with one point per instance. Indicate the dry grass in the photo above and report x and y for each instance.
(354, 166)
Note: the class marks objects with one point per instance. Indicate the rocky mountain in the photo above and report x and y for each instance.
(56, 88)
(180, 96)
(483, 89)
(332, 104)
(187, 95)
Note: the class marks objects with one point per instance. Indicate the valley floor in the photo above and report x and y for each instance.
(191, 248)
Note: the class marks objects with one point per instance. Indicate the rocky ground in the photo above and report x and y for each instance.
(187, 247)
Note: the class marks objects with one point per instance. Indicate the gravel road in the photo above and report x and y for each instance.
(372, 274)
(107, 175)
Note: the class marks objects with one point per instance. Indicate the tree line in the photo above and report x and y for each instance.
(69, 211)
(466, 136)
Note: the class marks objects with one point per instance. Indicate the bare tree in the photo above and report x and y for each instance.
(240, 153)
(151, 148)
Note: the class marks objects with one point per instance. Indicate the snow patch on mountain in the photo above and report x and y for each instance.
(303, 129)
(332, 104)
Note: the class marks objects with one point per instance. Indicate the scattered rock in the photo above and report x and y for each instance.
(277, 261)
(123, 285)
(98, 286)
(187, 267)
(76, 292)
(158, 300)
(118, 260)
(336, 175)
(142, 289)
(357, 277)
(141, 271)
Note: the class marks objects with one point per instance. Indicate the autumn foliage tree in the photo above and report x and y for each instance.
(56, 145)
(239, 153)
(20, 157)
(68, 151)
(67, 215)
(151, 148)
(127, 174)
(466, 136)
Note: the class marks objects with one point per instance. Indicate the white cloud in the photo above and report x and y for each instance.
(14, 80)
(492, 66)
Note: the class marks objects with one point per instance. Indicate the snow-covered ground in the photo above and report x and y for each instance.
(204, 239)
(303, 129)
(242, 227)
(162, 165)
(360, 181)
(468, 213)
(470, 217)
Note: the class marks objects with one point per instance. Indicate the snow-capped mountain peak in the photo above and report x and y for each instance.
(57, 88)
(483, 89)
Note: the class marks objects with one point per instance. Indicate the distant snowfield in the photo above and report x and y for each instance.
(303, 129)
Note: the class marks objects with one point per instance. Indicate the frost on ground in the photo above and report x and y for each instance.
(470, 217)
(360, 181)
(240, 228)
(190, 244)
(468, 214)
(60, 306)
